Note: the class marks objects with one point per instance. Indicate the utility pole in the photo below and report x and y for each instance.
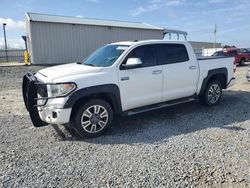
(5, 41)
(215, 31)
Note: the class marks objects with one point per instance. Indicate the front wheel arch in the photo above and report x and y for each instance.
(108, 92)
(101, 96)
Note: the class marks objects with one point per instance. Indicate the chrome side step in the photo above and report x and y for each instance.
(159, 106)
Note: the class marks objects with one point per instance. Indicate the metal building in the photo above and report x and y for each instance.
(204, 45)
(205, 48)
(59, 39)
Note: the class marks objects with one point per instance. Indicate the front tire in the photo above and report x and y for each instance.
(93, 118)
(212, 93)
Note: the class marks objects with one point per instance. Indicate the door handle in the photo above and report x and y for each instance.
(124, 78)
(192, 67)
(157, 72)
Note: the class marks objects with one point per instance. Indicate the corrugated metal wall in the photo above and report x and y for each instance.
(204, 45)
(55, 43)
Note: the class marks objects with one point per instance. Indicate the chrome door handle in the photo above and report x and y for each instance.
(124, 78)
(157, 72)
(192, 67)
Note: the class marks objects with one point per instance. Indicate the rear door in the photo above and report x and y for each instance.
(180, 73)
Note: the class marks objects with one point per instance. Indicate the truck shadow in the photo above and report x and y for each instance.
(160, 125)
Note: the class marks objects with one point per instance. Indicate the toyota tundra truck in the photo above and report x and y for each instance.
(124, 78)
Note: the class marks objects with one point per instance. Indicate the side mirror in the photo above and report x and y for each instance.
(132, 63)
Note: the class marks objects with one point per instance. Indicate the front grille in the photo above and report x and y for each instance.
(42, 90)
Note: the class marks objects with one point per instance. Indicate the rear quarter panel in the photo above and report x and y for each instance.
(211, 64)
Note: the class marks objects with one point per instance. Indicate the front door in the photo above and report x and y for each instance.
(141, 86)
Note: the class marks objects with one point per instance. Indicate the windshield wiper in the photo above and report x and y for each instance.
(81, 63)
(92, 65)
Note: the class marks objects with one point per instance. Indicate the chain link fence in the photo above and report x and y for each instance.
(11, 55)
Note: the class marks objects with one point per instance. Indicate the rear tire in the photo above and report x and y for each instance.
(93, 118)
(212, 93)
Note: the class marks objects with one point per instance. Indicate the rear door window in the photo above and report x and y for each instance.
(171, 53)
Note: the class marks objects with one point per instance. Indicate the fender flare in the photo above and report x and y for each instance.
(111, 90)
(210, 74)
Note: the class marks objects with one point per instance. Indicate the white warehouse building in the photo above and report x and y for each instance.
(55, 39)
(59, 39)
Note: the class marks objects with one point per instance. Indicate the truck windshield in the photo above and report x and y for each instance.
(105, 56)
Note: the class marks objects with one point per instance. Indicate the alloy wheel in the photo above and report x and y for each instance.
(94, 119)
(214, 93)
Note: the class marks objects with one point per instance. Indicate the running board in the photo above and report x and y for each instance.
(159, 106)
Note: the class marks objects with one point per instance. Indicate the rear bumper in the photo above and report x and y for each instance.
(41, 115)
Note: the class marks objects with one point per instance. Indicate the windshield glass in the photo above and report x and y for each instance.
(105, 56)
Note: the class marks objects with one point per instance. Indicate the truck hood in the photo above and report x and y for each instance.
(60, 71)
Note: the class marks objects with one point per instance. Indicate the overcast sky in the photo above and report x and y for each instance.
(197, 17)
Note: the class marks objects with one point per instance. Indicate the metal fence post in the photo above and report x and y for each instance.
(5, 41)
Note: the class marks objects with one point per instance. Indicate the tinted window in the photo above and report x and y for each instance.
(171, 53)
(232, 53)
(145, 54)
(219, 53)
(244, 51)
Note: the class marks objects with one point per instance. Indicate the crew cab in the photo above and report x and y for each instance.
(124, 78)
(241, 55)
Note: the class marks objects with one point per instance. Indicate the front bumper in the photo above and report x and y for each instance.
(40, 114)
(53, 115)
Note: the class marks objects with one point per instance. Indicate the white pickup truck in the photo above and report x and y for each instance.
(123, 78)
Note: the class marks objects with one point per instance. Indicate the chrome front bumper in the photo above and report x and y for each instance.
(53, 115)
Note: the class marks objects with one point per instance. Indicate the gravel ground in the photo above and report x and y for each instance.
(184, 146)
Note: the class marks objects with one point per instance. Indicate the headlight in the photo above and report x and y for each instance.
(60, 90)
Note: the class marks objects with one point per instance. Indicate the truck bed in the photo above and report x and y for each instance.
(210, 57)
(210, 63)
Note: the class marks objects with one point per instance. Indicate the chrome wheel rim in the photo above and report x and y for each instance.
(214, 93)
(94, 119)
